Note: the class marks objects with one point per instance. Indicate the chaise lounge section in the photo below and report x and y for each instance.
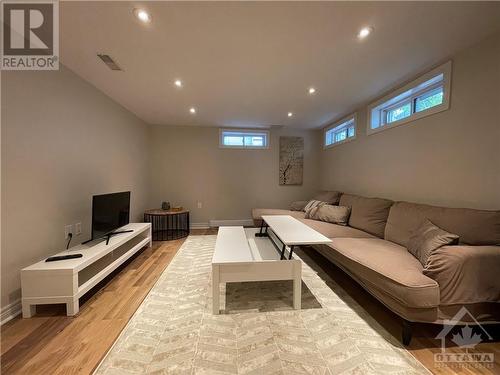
(372, 249)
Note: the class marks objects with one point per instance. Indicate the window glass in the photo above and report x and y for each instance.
(341, 135)
(398, 113)
(243, 138)
(233, 141)
(429, 99)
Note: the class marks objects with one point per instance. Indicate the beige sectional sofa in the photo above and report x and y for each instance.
(372, 250)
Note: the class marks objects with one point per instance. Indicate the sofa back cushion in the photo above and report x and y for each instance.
(330, 213)
(368, 214)
(298, 205)
(330, 197)
(474, 227)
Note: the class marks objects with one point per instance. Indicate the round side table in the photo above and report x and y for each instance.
(167, 225)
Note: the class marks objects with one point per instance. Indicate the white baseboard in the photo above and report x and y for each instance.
(9, 312)
(199, 226)
(230, 223)
(222, 223)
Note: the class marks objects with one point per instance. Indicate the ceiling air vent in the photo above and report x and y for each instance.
(109, 62)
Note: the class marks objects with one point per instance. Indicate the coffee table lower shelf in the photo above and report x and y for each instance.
(249, 259)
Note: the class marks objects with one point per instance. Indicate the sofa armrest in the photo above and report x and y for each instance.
(298, 205)
(466, 274)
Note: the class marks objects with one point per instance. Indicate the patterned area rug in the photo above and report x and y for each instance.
(258, 332)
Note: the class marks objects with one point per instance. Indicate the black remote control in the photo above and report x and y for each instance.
(62, 257)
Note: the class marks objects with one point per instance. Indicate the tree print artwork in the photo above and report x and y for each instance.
(291, 160)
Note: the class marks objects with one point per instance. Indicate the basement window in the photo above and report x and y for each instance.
(247, 139)
(425, 96)
(340, 132)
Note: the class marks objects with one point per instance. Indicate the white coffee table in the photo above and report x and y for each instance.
(241, 255)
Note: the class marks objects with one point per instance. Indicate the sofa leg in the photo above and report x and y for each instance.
(406, 336)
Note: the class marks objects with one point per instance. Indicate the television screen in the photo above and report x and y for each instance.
(109, 212)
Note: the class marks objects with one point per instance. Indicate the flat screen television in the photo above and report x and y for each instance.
(109, 212)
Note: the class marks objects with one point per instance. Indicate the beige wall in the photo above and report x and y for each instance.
(451, 158)
(188, 166)
(62, 142)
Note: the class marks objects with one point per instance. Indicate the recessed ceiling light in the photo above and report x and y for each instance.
(290, 114)
(364, 32)
(178, 83)
(311, 91)
(192, 110)
(142, 15)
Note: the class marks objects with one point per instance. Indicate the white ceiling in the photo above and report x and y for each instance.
(249, 64)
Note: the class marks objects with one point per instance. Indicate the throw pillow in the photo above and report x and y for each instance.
(310, 212)
(313, 203)
(298, 205)
(332, 214)
(428, 238)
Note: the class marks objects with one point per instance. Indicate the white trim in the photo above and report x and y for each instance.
(250, 131)
(445, 69)
(9, 312)
(231, 223)
(199, 226)
(353, 116)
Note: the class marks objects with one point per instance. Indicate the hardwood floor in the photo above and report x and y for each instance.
(51, 343)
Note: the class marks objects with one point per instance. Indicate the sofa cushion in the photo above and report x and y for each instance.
(298, 205)
(466, 274)
(474, 227)
(258, 212)
(427, 239)
(330, 197)
(330, 214)
(367, 214)
(388, 268)
(333, 230)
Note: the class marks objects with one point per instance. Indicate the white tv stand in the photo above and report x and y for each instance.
(65, 281)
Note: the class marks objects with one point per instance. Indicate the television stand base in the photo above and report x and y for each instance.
(66, 281)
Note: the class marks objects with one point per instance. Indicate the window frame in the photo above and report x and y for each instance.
(244, 132)
(444, 69)
(342, 121)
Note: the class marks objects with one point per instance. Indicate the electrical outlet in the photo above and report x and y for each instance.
(78, 229)
(200, 205)
(67, 230)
